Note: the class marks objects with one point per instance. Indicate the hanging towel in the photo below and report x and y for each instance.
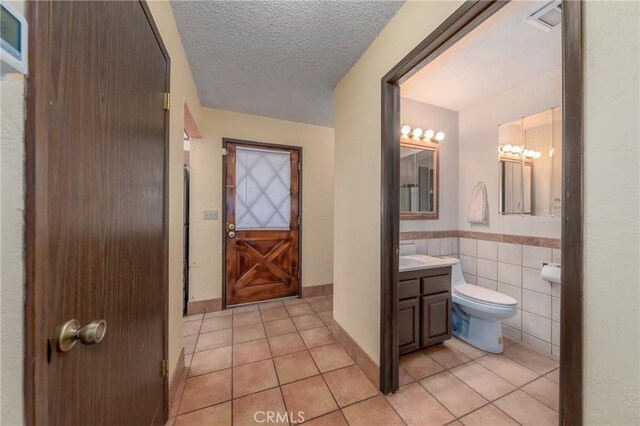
(478, 209)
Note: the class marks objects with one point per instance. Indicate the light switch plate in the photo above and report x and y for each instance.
(209, 214)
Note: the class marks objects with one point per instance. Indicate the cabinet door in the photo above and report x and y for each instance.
(436, 318)
(409, 325)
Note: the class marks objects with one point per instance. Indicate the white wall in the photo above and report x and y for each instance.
(357, 171)
(11, 249)
(478, 153)
(612, 206)
(426, 116)
(205, 249)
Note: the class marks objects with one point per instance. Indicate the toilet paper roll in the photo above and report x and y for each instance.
(551, 273)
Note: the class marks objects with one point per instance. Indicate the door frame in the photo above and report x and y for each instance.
(463, 20)
(35, 307)
(255, 144)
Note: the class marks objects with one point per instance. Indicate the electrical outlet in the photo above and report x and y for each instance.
(210, 214)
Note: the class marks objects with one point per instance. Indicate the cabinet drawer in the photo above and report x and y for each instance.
(437, 284)
(409, 288)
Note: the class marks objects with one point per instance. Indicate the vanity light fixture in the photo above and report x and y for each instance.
(417, 134)
(428, 135)
(518, 151)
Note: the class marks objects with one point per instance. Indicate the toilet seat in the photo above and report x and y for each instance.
(484, 296)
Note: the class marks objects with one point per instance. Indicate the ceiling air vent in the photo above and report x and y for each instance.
(547, 17)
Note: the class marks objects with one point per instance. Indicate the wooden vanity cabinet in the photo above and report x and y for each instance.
(424, 308)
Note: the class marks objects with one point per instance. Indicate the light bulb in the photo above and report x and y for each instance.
(516, 149)
(528, 153)
(537, 154)
(406, 130)
(507, 148)
(429, 134)
(417, 133)
(440, 136)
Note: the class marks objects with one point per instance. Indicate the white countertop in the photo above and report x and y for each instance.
(415, 262)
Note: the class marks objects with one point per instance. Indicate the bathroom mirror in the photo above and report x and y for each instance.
(515, 186)
(418, 180)
(530, 165)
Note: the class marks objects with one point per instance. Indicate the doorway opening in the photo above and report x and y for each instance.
(262, 216)
(415, 84)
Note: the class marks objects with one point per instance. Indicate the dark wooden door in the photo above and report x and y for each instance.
(436, 318)
(262, 222)
(100, 230)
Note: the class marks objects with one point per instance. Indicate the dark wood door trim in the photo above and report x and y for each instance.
(467, 17)
(241, 142)
(35, 389)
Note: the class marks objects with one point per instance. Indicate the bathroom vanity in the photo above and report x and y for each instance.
(424, 302)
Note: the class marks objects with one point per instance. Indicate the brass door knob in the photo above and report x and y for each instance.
(71, 332)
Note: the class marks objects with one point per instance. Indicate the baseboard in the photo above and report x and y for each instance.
(364, 361)
(204, 306)
(214, 305)
(317, 290)
(178, 374)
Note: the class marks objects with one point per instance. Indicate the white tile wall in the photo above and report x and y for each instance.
(433, 247)
(487, 250)
(446, 246)
(510, 253)
(534, 257)
(468, 247)
(532, 280)
(469, 264)
(536, 303)
(490, 284)
(487, 269)
(536, 326)
(555, 308)
(514, 269)
(510, 274)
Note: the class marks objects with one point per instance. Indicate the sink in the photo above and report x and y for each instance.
(421, 261)
(406, 261)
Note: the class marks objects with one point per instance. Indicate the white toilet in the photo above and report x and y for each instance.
(477, 312)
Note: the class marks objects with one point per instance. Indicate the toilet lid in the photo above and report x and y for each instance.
(484, 295)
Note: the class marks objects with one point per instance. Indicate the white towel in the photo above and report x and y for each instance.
(478, 209)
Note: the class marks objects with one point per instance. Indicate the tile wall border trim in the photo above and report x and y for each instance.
(485, 236)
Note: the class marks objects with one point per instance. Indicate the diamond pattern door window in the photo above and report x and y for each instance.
(263, 189)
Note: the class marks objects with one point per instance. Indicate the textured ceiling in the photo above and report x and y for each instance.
(495, 57)
(280, 59)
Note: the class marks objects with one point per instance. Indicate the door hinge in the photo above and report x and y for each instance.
(224, 151)
(166, 101)
(299, 220)
(298, 273)
(299, 166)
(164, 369)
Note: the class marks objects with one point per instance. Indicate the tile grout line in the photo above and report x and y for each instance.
(490, 402)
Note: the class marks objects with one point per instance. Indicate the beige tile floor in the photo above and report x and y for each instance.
(281, 357)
